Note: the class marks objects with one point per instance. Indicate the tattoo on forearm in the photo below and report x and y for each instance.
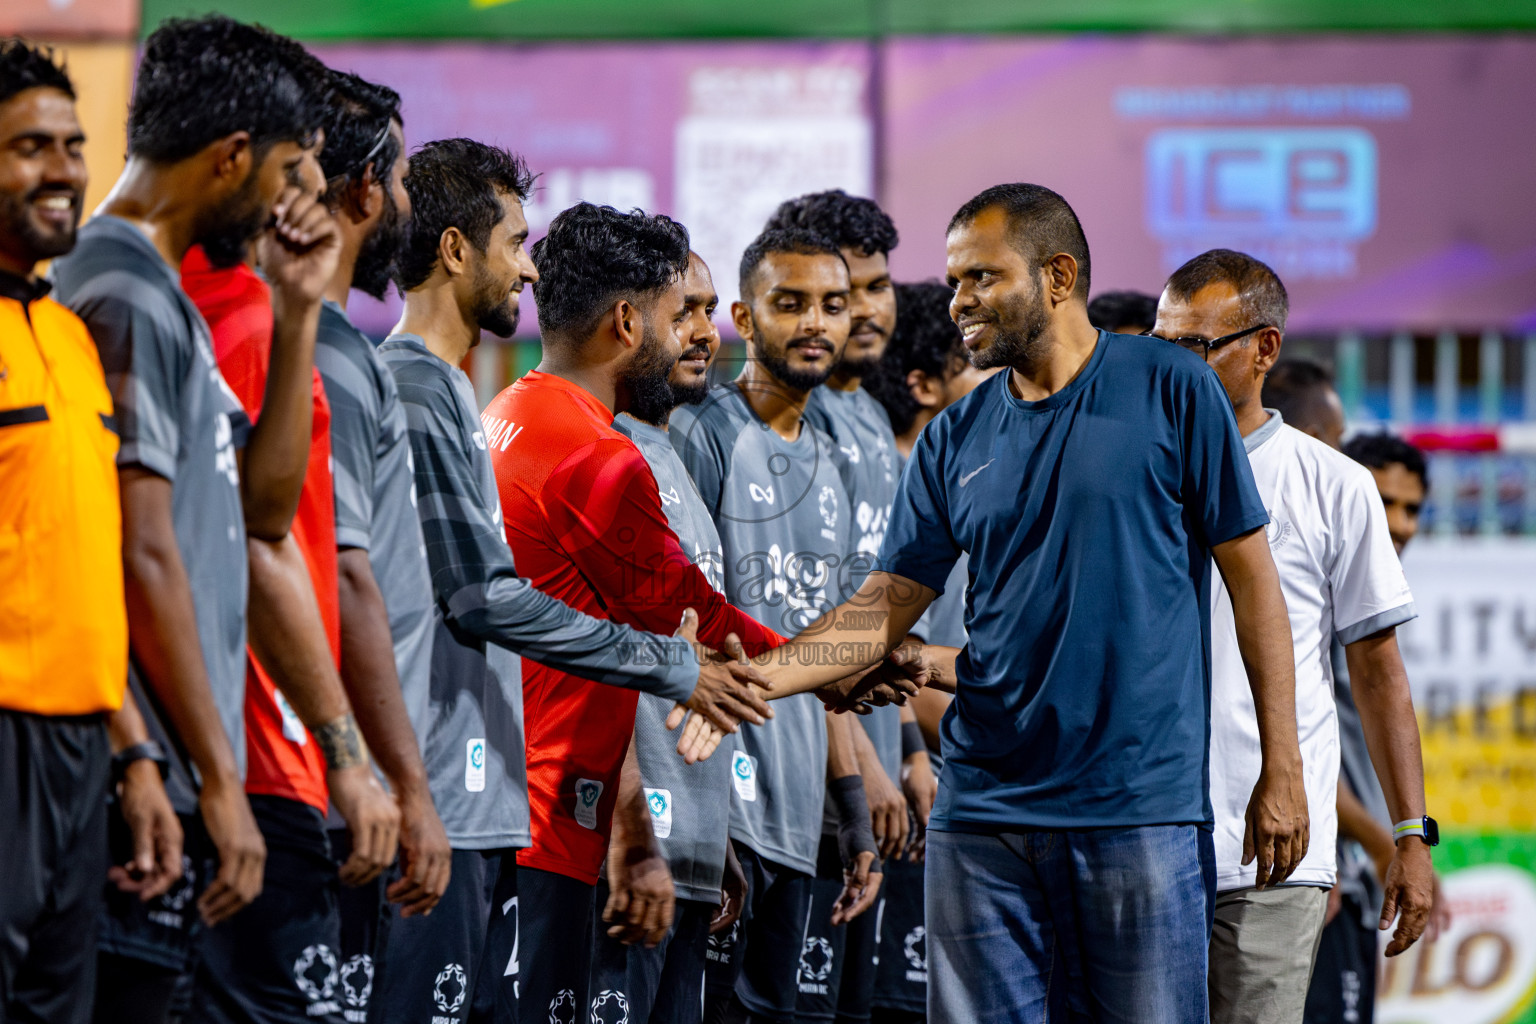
(340, 743)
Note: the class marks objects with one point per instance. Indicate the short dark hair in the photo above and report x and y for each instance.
(777, 240)
(1116, 309)
(925, 339)
(455, 183)
(594, 255)
(852, 222)
(1041, 224)
(204, 78)
(1293, 387)
(357, 132)
(1378, 451)
(1259, 289)
(25, 65)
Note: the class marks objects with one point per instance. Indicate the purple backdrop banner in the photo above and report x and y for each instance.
(1388, 180)
(714, 134)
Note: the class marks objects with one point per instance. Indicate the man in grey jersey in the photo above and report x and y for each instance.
(210, 175)
(384, 590)
(866, 456)
(461, 268)
(769, 480)
(688, 804)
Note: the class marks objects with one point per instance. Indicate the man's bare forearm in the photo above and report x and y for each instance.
(842, 747)
(288, 639)
(125, 726)
(162, 626)
(631, 815)
(1356, 822)
(370, 676)
(1380, 686)
(893, 602)
(1264, 640)
(277, 454)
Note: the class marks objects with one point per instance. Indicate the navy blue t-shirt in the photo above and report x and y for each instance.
(1084, 690)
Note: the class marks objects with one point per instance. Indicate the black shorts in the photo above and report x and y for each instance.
(1344, 977)
(54, 776)
(664, 985)
(364, 916)
(837, 964)
(902, 971)
(555, 947)
(278, 961)
(753, 966)
(445, 966)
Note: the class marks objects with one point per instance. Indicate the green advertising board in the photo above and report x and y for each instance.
(629, 19)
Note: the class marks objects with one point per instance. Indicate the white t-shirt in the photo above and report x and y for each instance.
(1340, 576)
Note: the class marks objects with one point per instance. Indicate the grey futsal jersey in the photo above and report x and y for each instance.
(178, 419)
(483, 612)
(375, 490)
(864, 449)
(783, 522)
(690, 803)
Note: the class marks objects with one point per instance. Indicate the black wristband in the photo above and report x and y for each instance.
(912, 740)
(855, 833)
(149, 750)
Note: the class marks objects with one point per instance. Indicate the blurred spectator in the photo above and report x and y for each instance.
(1123, 312)
(1302, 391)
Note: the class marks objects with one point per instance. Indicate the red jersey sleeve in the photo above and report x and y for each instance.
(602, 505)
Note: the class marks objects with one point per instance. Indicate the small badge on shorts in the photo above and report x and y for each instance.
(588, 793)
(474, 765)
(660, 803)
(744, 775)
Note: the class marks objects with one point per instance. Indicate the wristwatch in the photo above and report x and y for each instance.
(149, 750)
(1426, 828)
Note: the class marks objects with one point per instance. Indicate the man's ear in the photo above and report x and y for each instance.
(453, 251)
(232, 158)
(741, 318)
(625, 320)
(1270, 340)
(1060, 278)
(926, 391)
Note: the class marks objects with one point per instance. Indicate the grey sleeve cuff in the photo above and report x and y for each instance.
(682, 674)
(1376, 623)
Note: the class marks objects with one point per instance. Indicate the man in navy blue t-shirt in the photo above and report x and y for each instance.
(1070, 863)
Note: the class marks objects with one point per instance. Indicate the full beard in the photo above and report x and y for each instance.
(39, 244)
(1020, 344)
(237, 223)
(496, 311)
(376, 257)
(778, 366)
(648, 380)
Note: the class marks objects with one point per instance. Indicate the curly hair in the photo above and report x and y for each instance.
(455, 183)
(851, 222)
(925, 339)
(26, 66)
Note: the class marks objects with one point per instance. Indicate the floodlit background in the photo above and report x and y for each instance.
(1380, 154)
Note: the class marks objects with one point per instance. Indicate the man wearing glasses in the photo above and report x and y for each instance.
(1341, 577)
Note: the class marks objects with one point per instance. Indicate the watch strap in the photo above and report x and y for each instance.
(149, 750)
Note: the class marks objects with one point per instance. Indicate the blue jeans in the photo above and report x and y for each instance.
(1106, 925)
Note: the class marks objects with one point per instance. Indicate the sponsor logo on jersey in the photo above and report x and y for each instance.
(316, 973)
(815, 965)
(915, 948)
(1277, 531)
(357, 987)
(474, 765)
(762, 494)
(826, 503)
(744, 775)
(562, 1008)
(451, 988)
(610, 1007)
(660, 803)
(588, 793)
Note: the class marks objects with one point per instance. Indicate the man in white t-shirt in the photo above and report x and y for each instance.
(1341, 577)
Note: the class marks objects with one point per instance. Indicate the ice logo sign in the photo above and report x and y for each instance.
(1299, 198)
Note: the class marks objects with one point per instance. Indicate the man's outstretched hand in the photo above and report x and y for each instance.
(724, 697)
(904, 672)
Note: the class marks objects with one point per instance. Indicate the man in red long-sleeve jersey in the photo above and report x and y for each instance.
(585, 521)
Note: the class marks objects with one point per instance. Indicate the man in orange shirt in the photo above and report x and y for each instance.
(63, 625)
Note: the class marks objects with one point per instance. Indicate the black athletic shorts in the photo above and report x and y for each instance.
(1344, 977)
(446, 966)
(54, 776)
(837, 964)
(278, 961)
(902, 974)
(752, 967)
(664, 985)
(364, 915)
(555, 947)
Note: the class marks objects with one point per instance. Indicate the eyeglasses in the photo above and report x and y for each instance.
(1205, 348)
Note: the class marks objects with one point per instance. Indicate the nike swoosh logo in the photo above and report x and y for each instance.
(966, 478)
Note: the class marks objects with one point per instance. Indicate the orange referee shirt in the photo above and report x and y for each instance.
(63, 626)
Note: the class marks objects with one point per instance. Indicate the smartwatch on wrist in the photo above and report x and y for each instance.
(1426, 828)
(149, 750)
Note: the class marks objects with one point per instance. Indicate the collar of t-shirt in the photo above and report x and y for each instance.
(1066, 394)
(23, 290)
(595, 410)
(1266, 430)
